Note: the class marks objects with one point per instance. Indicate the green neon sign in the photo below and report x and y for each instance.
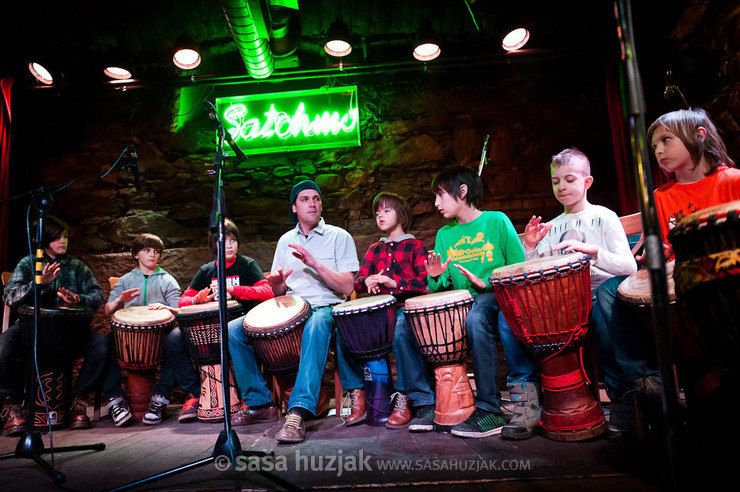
(288, 121)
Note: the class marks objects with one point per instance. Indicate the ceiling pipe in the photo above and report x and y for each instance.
(247, 24)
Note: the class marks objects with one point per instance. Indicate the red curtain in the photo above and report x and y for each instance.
(620, 141)
(5, 85)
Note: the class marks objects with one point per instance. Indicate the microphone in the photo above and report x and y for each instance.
(134, 166)
(671, 89)
(213, 115)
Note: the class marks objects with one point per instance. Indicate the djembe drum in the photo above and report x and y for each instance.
(61, 337)
(202, 330)
(438, 323)
(274, 328)
(707, 277)
(138, 333)
(365, 328)
(547, 302)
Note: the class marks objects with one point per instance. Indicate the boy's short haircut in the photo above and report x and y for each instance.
(146, 240)
(572, 157)
(53, 230)
(397, 203)
(684, 123)
(452, 177)
(229, 228)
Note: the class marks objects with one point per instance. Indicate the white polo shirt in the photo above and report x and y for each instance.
(330, 245)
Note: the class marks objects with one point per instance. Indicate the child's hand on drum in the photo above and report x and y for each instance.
(127, 295)
(573, 245)
(157, 306)
(667, 254)
(204, 296)
(477, 283)
(68, 296)
(50, 273)
(434, 265)
(534, 232)
(374, 282)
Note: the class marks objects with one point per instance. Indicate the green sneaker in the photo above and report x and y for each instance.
(424, 420)
(481, 423)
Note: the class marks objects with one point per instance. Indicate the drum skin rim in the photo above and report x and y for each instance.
(50, 311)
(701, 217)
(275, 331)
(198, 311)
(583, 261)
(299, 317)
(141, 322)
(390, 301)
(438, 307)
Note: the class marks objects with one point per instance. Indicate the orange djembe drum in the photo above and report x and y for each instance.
(138, 333)
(274, 328)
(438, 323)
(547, 302)
(201, 328)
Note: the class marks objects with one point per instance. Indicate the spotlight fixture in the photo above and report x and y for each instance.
(185, 56)
(40, 73)
(515, 39)
(338, 41)
(427, 46)
(117, 73)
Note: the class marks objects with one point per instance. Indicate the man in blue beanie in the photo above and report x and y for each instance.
(317, 262)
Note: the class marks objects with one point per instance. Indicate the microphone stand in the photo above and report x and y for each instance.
(653, 243)
(227, 443)
(30, 445)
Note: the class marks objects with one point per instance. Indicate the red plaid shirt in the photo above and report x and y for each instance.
(403, 261)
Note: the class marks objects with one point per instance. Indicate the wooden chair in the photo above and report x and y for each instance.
(632, 225)
(6, 308)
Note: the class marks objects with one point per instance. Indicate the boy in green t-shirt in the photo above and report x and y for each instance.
(474, 244)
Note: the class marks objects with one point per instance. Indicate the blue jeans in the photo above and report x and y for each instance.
(252, 385)
(414, 374)
(12, 362)
(176, 367)
(317, 333)
(480, 325)
(628, 346)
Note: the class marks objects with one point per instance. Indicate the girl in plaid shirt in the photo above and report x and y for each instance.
(395, 265)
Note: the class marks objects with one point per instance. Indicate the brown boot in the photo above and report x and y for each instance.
(401, 415)
(358, 414)
(78, 418)
(13, 416)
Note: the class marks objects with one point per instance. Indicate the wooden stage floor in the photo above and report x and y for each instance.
(333, 457)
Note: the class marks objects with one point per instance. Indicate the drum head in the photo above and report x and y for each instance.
(438, 299)
(635, 289)
(206, 308)
(276, 313)
(51, 311)
(363, 304)
(701, 216)
(545, 265)
(142, 316)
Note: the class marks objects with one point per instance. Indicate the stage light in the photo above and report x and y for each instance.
(117, 73)
(186, 58)
(40, 73)
(427, 44)
(338, 39)
(515, 39)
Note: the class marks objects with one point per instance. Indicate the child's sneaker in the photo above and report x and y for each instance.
(157, 408)
(481, 423)
(118, 410)
(189, 411)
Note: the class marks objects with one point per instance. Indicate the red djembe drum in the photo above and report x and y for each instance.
(365, 328)
(274, 328)
(547, 302)
(438, 323)
(707, 276)
(138, 333)
(61, 337)
(201, 327)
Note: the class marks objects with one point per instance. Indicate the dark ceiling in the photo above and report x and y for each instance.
(79, 38)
